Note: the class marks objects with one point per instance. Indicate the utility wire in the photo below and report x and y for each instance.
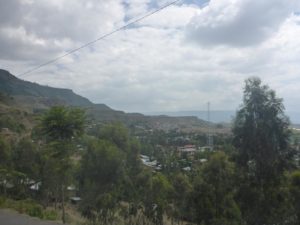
(98, 39)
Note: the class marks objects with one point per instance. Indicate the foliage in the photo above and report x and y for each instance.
(101, 164)
(295, 193)
(261, 133)
(5, 153)
(29, 207)
(5, 165)
(213, 193)
(155, 202)
(25, 157)
(100, 175)
(180, 197)
(115, 133)
(261, 137)
(10, 122)
(50, 215)
(248, 179)
(61, 123)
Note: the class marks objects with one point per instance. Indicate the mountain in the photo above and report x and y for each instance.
(32, 93)
(220, 116)
(217, 116)
(34, 98)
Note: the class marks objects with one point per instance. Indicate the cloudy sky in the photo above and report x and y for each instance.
(178, 59)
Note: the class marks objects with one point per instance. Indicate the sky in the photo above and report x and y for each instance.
(191, 53)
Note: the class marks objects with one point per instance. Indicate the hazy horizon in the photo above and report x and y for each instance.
(218, 116)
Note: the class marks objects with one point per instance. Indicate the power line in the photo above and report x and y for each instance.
(98, 39)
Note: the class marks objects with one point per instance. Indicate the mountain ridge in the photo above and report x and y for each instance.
(14, 86)
(36, 98)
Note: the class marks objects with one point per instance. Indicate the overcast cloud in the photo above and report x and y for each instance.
(178, 59)
(239, 22)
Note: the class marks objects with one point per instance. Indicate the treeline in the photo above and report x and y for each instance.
(257, 182)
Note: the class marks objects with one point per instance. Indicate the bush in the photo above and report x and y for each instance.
(50, 215)
(27, 206)
(2, 201)
(9, 203)
(19, 206)
(68, 218)
(34, 210)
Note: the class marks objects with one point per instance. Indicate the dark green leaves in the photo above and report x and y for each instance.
(61, 123)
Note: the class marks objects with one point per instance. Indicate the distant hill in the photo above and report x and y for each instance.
(220, 116)
(33, 93)
(35, 98)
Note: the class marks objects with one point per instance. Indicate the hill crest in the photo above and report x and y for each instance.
(36, 98)
(11, 85)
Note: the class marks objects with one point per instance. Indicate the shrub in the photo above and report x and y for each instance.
(34, 210)
(27, 206)
(50, 215)
(2, 201)
(9, 203)
(68, 218)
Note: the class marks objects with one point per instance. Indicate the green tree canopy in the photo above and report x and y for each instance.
(295, 192)
(100, 177)
(61, 123)
(25, 157)
(213, 193)
(5, 153)
(261, 137)
(261, 133)
(117, 134)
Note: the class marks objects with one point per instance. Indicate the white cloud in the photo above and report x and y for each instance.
(239, 22)
(152, 66)
(77, 20)
(136, 8)
(172, 17)
(53, 26)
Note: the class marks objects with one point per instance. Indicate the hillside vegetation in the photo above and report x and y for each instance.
(113, 175)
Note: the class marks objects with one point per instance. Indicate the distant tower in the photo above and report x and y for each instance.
(210, 141)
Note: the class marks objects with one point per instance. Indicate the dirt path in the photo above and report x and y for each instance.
(8, 217)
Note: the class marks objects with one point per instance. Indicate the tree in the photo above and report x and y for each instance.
(61, 125)
(117, 134)
(182, 190)
(109, 175)
(100, 177)
(133, 162)
(25, 157)
(5, 152)
(5, 163)
(155, 201)
(295, 192)
(213, 193)
(25, 161)
(261, 137)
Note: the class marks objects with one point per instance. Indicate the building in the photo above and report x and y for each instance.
(153, 164)
(187, 151)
